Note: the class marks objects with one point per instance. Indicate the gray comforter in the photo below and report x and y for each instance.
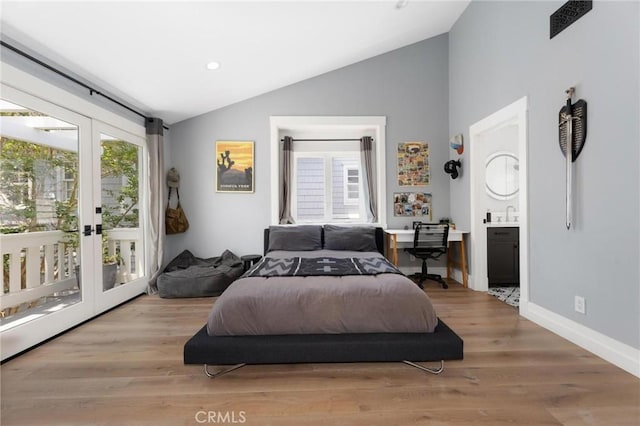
(384, 303)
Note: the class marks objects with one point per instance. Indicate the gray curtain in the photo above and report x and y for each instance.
(285, 181)
(156, 200)
(366, 158)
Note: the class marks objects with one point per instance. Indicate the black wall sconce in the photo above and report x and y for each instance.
(451, 167)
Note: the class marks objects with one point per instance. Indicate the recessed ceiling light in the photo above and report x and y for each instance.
(401, 3)
(213, 65)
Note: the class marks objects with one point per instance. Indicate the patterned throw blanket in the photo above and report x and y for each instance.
(304, 267)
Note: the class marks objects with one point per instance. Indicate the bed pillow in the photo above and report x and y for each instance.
(354, 238)
(295, 238)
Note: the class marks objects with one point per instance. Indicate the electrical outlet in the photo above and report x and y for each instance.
(580, 305)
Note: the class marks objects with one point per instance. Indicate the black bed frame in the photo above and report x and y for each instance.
(442, 344)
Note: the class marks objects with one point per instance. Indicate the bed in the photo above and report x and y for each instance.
(322, 294)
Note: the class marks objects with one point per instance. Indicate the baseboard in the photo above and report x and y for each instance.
(456, 274)
(617, 353)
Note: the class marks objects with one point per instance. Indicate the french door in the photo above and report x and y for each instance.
(119, 200)
(71, 222)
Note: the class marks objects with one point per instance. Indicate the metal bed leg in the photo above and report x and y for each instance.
(427, 369)
(221, 372)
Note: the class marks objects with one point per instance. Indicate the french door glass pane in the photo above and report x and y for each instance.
(122, 253)
(38, 215)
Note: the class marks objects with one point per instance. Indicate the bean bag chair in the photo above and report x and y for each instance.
(190, 276)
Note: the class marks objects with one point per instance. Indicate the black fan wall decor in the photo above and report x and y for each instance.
(451, 167)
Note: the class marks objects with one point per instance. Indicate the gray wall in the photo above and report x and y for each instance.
(409, 86)
(501, 51)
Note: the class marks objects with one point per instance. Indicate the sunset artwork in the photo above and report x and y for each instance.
(234, 166)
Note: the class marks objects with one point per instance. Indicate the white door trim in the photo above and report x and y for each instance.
(513, 114)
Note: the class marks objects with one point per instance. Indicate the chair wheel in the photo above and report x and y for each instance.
(445, 285)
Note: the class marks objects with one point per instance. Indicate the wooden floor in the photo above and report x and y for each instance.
(125, 368)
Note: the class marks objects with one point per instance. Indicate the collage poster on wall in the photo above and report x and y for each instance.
(413, 164)
(412, 204)
(235, 165)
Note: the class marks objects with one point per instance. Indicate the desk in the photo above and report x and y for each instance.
(395, 236)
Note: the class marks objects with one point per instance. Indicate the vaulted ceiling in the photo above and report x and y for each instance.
(154, 55)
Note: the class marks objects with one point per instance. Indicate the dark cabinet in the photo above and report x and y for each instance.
(503, 256)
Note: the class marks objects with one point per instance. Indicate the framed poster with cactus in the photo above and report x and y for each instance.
(235, 166)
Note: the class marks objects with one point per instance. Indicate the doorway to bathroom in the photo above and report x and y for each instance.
(498, 183)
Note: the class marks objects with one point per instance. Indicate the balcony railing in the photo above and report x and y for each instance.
(128, 243)
(39, 264)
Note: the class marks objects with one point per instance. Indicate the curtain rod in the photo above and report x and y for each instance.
(323, 140)
(91, 90)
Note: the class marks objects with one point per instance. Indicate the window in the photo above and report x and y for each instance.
(310, 192)
(351, 185)
(326, 129)
(69, 180)
(327, 187)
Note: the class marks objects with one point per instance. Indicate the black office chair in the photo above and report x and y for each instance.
(430, 242)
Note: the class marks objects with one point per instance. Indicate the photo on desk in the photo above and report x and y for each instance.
(412, 204)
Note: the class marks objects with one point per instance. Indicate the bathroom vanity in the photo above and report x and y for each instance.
(503, 256)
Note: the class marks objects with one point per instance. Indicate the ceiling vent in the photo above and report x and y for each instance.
(568, 13)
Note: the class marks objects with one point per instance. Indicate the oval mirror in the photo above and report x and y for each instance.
(501, 175)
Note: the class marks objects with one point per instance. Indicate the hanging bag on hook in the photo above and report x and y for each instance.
(175, 219)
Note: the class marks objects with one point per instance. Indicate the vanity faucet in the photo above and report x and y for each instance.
(509, 207)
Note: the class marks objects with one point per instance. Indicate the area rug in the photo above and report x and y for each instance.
(508, 295)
